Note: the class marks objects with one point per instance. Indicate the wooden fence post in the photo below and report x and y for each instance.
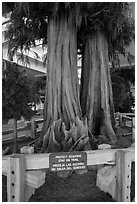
(28, 189)
(121, 122)
(133, 130)
(16, 171)
(33, 128)
(123, 180)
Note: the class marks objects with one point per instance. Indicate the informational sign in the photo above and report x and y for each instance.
(64, 161)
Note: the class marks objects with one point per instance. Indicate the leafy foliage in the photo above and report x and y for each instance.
(123, 98)
(115, 20)
(17, 92)
(29, 22)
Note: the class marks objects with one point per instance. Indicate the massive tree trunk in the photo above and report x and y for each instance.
(63, 127)
(96, 92)
(62, 96)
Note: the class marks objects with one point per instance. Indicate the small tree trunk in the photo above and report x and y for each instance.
(96, 91)
(15, 135)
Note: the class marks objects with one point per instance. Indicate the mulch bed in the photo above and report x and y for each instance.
(76, 188)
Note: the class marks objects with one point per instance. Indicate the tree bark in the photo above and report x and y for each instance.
(15, 135)
(63, 129)
(62, 96)
(96, 92)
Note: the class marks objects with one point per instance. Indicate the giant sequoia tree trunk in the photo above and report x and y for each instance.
(62, 96)
(96, 91)
(62, 130)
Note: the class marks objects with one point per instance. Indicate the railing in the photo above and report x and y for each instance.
(32, 127)
(127, 120)
(27, 172)
(29, 129)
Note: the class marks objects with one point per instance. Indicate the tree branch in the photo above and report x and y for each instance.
(7, 21)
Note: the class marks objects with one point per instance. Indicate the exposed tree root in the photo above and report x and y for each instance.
(58, 139)
(6, 151)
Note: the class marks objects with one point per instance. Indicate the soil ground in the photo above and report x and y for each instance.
(77, 187)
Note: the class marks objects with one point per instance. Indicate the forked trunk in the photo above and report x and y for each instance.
(63, 127)
(96, 92)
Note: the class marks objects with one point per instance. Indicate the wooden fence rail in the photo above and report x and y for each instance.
(29, 129)
(20, 176)
(24, 172)
(34, 126)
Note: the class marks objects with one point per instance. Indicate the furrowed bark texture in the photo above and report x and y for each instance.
(96, 92)
(62, 81)
(62, 95)
(63, 129)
